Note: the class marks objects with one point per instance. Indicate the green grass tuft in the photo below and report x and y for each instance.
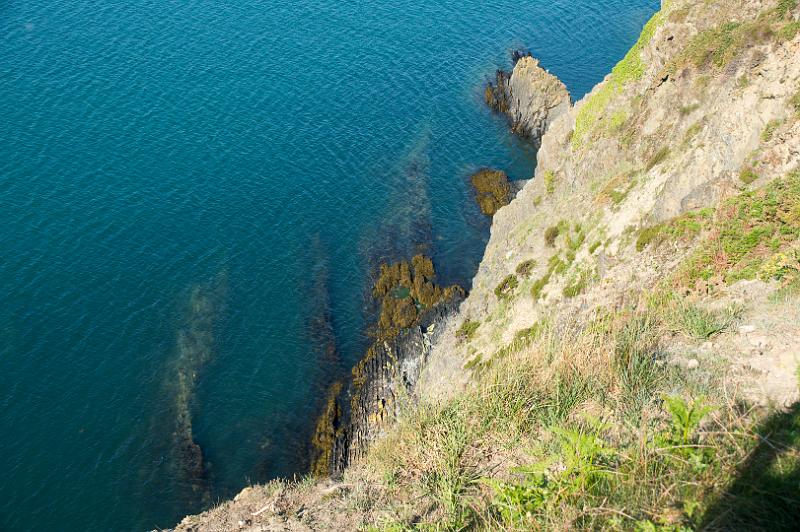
(769, 130)
(468, 329)
(525, 268)
(506, 287)
(748, 175)
(549, 181)
(795, 102)
(550, 235)
(658, 157)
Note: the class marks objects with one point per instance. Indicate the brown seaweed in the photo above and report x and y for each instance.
(492, 190)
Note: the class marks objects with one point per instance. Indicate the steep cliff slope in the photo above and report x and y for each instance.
(700, 109)
(627, 357)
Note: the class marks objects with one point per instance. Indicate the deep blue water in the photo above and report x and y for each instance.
(190, 189)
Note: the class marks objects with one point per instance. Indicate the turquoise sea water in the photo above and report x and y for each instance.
(192, 197)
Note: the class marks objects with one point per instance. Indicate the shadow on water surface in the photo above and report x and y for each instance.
(766, 492)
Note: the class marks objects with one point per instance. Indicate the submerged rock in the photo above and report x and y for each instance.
(194, 349)
(492, 190)
(529, 96)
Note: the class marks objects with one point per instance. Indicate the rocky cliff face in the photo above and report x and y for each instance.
(702, 107)
(529, 96)
(383, 379)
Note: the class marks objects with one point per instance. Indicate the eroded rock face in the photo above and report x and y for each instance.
(529, 96)
(653, 141)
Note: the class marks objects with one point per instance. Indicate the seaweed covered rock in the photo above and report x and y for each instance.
(492, 190)
(404, 290)
(529, 96)
(411, 307)
(328, 429)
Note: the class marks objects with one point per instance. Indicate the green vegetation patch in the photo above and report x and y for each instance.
(684, 227)
(692, 131)
(684, 316)
(506, 287)
(577, 284)
(715, 48)
(752, 235)
(550, 235)
(789, 31)
(769, 130)
(539, 284)
(525, 268)
(630, 68)
(657, 158)
(549, 181)
(574, 238)
(588, 430)
(795, 102)
(689, 109)
(468, 329)
(784, 8)
(616, 189)
(748, 175)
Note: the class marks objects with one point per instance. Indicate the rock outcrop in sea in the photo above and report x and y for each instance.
(531, 97)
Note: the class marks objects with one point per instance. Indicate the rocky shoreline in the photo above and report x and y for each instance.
(413, 311)
(610, 288)
(357, 413)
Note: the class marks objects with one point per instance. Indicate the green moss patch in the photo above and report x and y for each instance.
(630, 68)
